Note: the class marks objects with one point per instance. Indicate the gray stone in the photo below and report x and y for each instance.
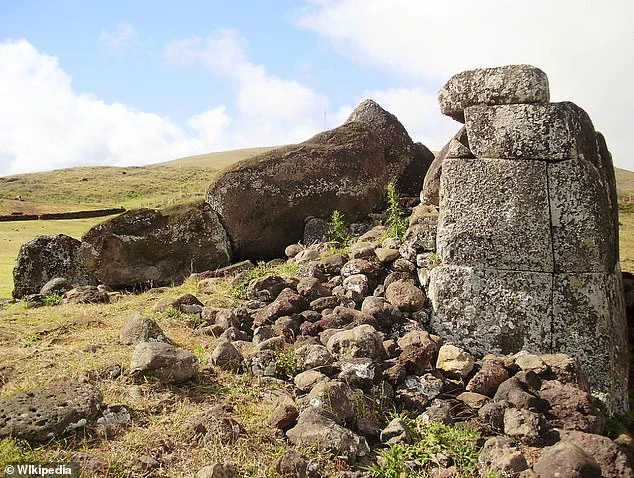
(164, 362)
(335, 397)
(582, 218)
(361, 341)
(41, 414)
(548, 132)
(597, 337)
(141, 329)
(396, 431)
(211, 426)
(284, 416)
(492, 311)
(508, 84)
(305, 381)
(227, 357)
(319, 428)
(524, 425)
(356, 286)
(45, 258)
(495, 215)
(430, 195)
(58, 286)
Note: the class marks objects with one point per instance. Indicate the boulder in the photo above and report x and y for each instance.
(487, 380)
(612, 460)
(571, 408)
(217, 470)
(334, 396)
(227, 357)
(319, 428)
(141, 329)
(41, 414)
(287, 185)
(361, 341)
(58, 285)
(504, 85)
(566, 460)
(149, 247)
(86, 294)
(45, 258)
(499, 455)
(405, 295)
(163, 361)
(454, 361)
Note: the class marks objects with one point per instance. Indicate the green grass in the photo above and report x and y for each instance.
(458, 444)
(14, 234)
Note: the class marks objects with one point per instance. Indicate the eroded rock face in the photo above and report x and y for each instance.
(509, 84)
(148, 247)
(527, 229)
(263, 201)
(41, 414)
(45, 258)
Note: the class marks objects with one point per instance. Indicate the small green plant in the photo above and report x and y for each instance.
(434, 259)
(241, 286)
(52, 299)
(172, 313)
(287, 363)
(30, 340)
(337, 230)
(396, 219)
(458, 444)
(13, 450)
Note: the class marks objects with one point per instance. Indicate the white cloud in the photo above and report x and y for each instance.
(268, 109)
(581, 45)
(121, 36)
(44, 124)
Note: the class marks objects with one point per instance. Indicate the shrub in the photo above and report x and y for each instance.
(337, 230)
(396, 219)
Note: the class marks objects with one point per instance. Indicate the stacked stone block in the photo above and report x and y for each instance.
(528, 228)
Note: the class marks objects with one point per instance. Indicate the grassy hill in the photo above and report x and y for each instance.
(94, 187)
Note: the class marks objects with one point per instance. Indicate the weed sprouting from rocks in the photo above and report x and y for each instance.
(337, 230)
(396, 218)
(287, 363)
(52, 299)
(458, 444)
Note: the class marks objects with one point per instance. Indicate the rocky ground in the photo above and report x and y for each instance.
(321, 365)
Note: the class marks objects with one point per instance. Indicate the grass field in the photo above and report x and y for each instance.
(156, 185)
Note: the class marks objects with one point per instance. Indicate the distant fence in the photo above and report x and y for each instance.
(63, 215)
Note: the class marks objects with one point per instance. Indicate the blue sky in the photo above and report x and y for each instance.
(138, 82)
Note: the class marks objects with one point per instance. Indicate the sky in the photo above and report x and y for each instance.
(132, 83)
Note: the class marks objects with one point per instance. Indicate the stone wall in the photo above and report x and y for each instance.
(528, 228)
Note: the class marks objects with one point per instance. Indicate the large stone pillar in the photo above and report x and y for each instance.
(528, 229)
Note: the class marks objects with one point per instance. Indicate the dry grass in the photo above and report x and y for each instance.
(52, 344)
(217, 160)
(626, 239)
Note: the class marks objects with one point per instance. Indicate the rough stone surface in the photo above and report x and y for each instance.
(551, 132)
(491, 311)
(454, 361)
(361, 341)
(149, 247)
(509, 84)
(164, 362)
(405, 295)
(227, 357)
(597, 336)
(141, 329)
(217, 470)
(484, 208)
(499, 455)
(263, 201)
(566, 460)
(613, 461)
(45, 258)
(41, 414)
(319, 428)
